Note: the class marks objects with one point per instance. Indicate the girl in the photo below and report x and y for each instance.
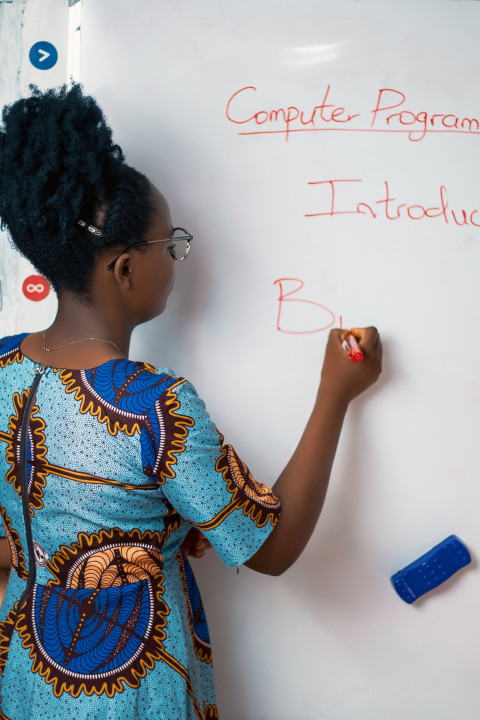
(109, 463)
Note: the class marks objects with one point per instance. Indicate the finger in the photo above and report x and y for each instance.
(336, 333)
(203, 545)
(339, 335)
(368, 338)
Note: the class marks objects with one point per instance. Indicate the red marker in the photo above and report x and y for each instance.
(351, 345)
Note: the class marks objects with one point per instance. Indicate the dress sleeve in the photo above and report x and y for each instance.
(206, 481)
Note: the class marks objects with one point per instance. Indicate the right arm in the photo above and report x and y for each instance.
(4, 566)
(302, 485)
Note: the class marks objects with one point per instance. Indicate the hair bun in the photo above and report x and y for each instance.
(59, 164)
(56, 155)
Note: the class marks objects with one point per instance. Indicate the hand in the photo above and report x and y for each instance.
(342, 377)
(195, 543)
(4, 574)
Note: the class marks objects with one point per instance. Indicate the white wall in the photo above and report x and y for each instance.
(22, 24)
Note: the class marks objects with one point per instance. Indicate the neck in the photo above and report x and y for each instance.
(77, 319)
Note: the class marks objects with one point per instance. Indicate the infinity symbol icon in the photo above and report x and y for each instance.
(35, 288)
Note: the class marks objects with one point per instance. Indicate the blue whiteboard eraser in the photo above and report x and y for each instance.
(431, 569)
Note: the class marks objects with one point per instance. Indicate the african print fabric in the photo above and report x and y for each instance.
(119, 462)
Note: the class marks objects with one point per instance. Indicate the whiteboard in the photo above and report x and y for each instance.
(326, 157)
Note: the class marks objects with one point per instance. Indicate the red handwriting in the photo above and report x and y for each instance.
(322, 315)
(390, 208)
(320, 113)
(422, 120)
(241, 109)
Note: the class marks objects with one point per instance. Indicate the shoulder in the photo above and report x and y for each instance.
(139, 386)
(131, 385)
(158, 375)
(178, 394)
(10, 349)
(11, 343)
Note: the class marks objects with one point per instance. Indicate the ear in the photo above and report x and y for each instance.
(123, 271)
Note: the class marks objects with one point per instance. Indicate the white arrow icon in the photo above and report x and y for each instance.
(44, 54)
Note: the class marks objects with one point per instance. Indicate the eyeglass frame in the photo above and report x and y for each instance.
(188, 237)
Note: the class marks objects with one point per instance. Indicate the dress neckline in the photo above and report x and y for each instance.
(55, 367)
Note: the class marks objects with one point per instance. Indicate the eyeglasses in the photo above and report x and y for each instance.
(181, 241)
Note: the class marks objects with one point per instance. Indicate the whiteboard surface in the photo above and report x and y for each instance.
(330, 638)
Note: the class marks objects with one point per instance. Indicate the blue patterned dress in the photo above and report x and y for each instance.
(102, 617)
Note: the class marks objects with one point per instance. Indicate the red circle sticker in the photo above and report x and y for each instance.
(35, 287)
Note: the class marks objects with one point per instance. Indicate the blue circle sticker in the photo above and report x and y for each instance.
(43, 55)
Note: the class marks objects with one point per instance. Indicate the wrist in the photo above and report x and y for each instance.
(333, 397)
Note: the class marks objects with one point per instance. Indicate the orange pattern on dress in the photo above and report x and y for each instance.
(210, 712)
(115, 419)
(255, 499)
(179, 432)
(16, 550)
(6, 631)
(38, 464)
(130, 561)
(109, 558)
(201, 649)
(10, 359)
(117, 565)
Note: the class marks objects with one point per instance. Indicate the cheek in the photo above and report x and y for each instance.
(154, 284)
(167, 275)
(161, 281)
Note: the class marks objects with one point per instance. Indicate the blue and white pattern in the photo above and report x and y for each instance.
(122, 460)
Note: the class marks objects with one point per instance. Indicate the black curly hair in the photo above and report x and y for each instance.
(58, 164)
